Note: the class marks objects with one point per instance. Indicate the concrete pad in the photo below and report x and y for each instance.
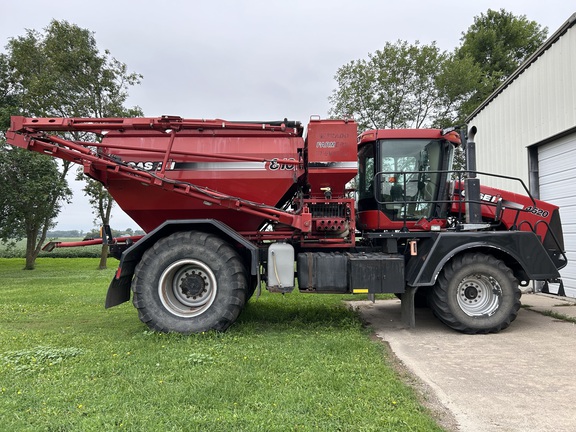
(549, 303)
(519, 379)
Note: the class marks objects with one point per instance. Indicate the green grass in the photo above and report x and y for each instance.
(558, 316)
(293, 362)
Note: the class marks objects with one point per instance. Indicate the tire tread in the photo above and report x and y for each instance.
(232, 286)
(439, 295)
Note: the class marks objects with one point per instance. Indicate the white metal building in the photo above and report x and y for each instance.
(527, 129)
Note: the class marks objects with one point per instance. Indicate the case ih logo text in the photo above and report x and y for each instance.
(150, 165)
(484, 197)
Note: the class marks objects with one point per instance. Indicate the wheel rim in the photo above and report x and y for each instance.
(479, 295)
(187, 288)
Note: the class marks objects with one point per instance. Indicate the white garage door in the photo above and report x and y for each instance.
(557, 168)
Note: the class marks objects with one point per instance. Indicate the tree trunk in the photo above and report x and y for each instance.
(30, 253)
(105, 203)
(103, 257)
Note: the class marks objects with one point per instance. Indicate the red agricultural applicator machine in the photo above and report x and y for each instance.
(231, 206)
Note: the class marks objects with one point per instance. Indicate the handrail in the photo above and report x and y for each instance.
(560, 249)
(458, 197)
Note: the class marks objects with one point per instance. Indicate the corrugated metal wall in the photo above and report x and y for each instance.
(538, 104)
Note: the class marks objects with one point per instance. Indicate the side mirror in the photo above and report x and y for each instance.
(452, 136)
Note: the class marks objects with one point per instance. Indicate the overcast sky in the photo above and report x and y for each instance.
(251, 59)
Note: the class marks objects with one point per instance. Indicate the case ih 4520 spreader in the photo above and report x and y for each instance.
(229, 207)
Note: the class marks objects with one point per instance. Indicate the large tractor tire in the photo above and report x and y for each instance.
(476, 293)
(189, 282)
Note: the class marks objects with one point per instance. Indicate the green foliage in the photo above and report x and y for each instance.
(66, 233)
(394, 88)
(8, 102)
(30, 197)
(412, 85)
(62, 73)
(26, 176)
(59, 72)
(294, 362)
(496, 44)
(456, 82)
(95, 233)
(100, 200)
(102, 203)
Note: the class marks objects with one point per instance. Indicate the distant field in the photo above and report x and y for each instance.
(291, 363)
(19, 250)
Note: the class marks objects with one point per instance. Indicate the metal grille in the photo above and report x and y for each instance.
(328, 210)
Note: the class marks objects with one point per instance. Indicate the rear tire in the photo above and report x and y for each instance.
(476, 293)
(189, 282)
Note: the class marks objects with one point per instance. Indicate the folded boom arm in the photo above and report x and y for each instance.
(30, 133)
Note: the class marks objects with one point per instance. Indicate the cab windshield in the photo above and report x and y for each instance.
(402, 176)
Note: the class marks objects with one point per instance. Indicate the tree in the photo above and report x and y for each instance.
(29, 181)
(419, 86)
(456, 83)
(102, 203)
(497, 44)
(61, 72)
(394, 88)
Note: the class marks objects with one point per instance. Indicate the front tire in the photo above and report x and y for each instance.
(189, 282)
(476, 293)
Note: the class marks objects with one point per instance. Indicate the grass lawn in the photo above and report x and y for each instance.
(291, 363)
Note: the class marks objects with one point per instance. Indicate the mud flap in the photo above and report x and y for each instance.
(407, 309)
(118, 291)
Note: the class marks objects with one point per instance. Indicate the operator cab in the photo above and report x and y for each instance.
(403, 178)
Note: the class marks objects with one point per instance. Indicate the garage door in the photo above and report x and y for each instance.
(557, 175)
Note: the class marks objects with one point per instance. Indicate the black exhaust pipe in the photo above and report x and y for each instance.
(472, 184)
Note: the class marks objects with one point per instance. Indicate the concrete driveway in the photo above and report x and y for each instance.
(523, 378)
